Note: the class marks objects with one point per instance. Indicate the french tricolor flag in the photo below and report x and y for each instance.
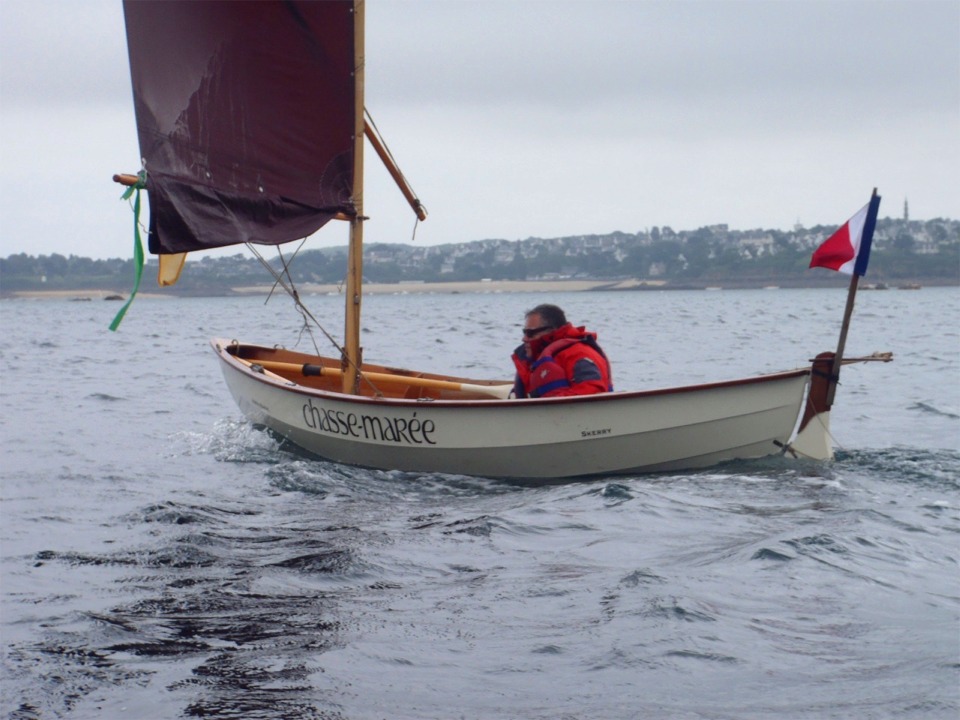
(848, 249)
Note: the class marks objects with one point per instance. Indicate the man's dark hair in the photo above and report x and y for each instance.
(551, 314)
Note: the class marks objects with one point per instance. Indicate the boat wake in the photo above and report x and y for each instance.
(331, 588)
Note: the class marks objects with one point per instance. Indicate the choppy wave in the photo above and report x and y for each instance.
(927, 407)
(163, 558)
(261, 610)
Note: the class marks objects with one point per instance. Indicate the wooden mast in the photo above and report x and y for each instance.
(352, 359)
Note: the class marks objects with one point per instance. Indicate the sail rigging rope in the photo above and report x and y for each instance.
(283, 279)
(817, 418)
(292, 291)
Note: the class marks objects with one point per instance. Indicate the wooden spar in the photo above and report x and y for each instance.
(354, 291)
(309, 370)
(394, 171)
(126, 179)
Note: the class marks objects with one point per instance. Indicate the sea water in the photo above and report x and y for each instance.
(161, 558)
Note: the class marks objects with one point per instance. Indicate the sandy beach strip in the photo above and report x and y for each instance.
(479, 286)
(80, 295)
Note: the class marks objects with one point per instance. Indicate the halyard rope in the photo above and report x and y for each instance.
(282, 278)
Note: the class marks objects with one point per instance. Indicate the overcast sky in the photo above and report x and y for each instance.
(541, 118)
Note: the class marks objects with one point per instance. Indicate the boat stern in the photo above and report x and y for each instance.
(813, 437)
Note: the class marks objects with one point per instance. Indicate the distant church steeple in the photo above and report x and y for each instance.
(906, 210)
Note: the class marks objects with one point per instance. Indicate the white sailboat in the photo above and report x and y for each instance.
(251, 125)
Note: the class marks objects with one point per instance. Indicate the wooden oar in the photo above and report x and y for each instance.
(501, 392)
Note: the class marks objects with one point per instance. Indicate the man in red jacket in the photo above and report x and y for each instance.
(557, 359)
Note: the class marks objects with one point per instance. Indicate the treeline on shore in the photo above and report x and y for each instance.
(689, 259)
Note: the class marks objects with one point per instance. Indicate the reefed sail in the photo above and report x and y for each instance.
(245, 116)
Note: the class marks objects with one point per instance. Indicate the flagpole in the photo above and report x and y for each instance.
(847, 313)
(838, 358)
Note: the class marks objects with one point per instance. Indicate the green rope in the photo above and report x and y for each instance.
(137, 245)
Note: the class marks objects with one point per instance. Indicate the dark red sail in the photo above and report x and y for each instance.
(245, 116)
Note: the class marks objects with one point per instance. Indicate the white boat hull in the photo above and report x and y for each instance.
(614, 433)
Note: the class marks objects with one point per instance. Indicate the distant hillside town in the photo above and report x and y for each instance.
(904, 251)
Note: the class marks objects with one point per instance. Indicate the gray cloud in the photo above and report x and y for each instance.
(62, 53)
(517, 119)
(571, 54)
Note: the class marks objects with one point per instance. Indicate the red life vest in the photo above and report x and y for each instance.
(573, 364)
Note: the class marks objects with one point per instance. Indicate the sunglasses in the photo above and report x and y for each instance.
(530, 332)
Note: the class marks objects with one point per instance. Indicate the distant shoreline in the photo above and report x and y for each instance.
(480, 286)
(475, 286)
(94, 294)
